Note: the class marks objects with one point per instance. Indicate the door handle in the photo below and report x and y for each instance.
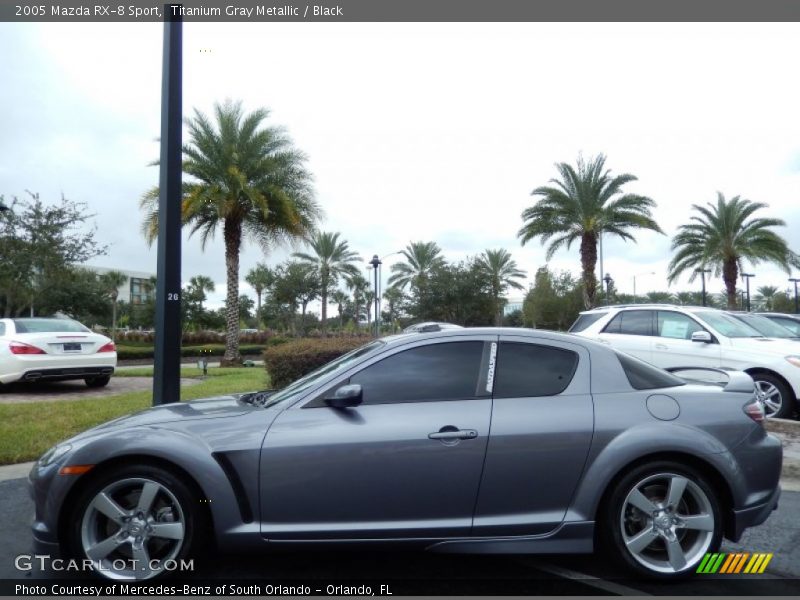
(453, 434)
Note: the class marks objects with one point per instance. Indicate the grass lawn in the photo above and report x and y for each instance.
(27, 430)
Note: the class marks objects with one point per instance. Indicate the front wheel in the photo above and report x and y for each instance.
(661, 520)
(134, 523)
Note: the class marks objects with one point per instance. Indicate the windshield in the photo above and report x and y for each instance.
(765, 326)
(308, 381)
(728, 326)
(49, 326)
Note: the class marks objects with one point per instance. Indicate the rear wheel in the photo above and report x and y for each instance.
(775, 395)
(661, 520)
(97, 382)
(133, 522)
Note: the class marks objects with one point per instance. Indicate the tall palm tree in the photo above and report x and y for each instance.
(331, 258)
(582, 204)
(246, 179)
(765, 296)
(501, 271)
(722, 236)
(339, 298)
(359, 286)
(260, 278)
(111, 281)
(200, 285)
(421, 259)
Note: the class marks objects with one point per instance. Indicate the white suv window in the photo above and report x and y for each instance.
(631, 322)
(676, 325)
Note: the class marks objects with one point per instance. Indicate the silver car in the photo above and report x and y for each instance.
(469, 440)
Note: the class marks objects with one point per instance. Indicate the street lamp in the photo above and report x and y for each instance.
(747, 277)
(634, 282)
(703, 280)
(608, 281)
(376, 262)
(794, 280)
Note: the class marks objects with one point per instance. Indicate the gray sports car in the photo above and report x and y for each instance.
(465, 440)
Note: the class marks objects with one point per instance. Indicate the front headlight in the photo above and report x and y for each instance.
(54, 454)
(795, 360)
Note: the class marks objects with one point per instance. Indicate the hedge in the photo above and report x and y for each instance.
(290, 361)
(136, 352)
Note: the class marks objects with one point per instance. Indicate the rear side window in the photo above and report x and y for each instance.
(583, 321)
(632, 322)
(432, 373)
(644, 376)
(525, 370)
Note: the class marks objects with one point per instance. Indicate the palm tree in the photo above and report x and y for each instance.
(200, 285)
(393, 296)
(722, 236)
(765, 296)
(246, 179)
(260, 278)
(331, 258)
(421, 259)
(585, 202)
(339, 298)
(688, 298)
(660, 297)
(111, 281)
(359, 285)
(501, 272)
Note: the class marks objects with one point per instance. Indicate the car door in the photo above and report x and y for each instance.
(405, 463)
(630, 331)
(673, 345)
(542, 426)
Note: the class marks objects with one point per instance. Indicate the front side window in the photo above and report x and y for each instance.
(727, 325)
(526, 370)
(676, 325)
(790, 324)
(431, 373)
(632, 322)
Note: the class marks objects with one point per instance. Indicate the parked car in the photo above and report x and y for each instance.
(765, 326)
(683, 336)
(54, 349)
(791, 322)
(429, 326)
(480, 440)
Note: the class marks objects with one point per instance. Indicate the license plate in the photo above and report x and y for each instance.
(72, 347)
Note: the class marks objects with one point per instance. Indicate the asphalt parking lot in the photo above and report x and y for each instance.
(423, 573)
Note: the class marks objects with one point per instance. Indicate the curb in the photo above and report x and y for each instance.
(17, 471)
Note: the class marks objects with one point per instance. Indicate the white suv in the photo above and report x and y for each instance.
(683, 336)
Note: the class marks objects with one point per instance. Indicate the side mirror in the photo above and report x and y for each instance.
(346, 396)
(701, 336)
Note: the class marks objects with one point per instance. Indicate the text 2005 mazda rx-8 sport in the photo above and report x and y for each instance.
(470, 441)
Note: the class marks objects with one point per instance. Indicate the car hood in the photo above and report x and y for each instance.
(206, 408)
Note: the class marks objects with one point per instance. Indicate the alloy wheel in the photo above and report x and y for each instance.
(132, 529)
(667, 523)
(770, 397)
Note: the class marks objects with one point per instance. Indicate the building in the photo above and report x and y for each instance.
(136, 290)
(513, 303)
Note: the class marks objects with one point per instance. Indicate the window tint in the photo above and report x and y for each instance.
(49, 326)
(676, 325)
(583, 321)
(435, 372)
(790, 324)
(644, 376)
(632, 322)
(525, 370)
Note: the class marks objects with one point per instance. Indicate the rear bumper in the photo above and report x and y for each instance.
(59, 373)
(754, 515)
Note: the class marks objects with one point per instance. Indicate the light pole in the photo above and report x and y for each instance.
(376, 262)
(380, 278)
(747, 277)
(608, 281)
(3, 207)
(703, 280)
(794, 280)
(634, 282)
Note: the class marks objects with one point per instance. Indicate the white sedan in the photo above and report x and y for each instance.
(39, 349)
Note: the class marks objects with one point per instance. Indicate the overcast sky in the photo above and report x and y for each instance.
(420, 131)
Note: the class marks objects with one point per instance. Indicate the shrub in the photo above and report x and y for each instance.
(290, 360)
(210, 350)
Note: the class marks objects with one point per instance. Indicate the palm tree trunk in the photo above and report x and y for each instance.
(233, 242)
(730, 273)
(324, 298)
(588, 264)
(114, 319)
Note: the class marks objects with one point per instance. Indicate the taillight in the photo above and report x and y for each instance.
(109, 347)
(22, 348)
(755, 410)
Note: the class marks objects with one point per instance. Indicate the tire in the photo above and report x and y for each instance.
(110, 528)
(98, 382)
(777, 397)
(674, 549)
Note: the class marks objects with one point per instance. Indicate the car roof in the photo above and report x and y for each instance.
(647, 306)
(544, 334)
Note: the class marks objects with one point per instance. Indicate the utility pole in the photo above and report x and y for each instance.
(703, 280)
(795, 280)
(166, 382)
(376, 262)
(747, 277)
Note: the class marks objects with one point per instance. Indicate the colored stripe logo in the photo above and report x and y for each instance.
(734, 563)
